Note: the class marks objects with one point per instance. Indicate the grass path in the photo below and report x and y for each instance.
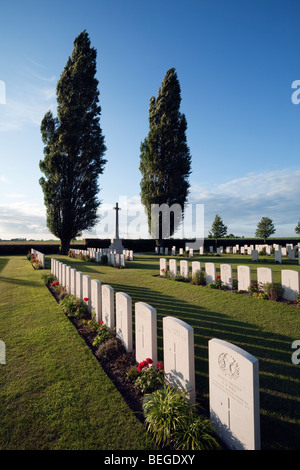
(53, 393)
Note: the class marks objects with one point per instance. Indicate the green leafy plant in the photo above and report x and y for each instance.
(133, 373)
(151, 377)
(74, 307)
(48, 278)
(260, 295)
(198, 278)
(172, 421)
(110, 349)
(103, 334)
(274, 291)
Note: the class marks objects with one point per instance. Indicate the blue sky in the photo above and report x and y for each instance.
(236, 62)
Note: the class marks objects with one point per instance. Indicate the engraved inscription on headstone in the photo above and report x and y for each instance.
(234, 395)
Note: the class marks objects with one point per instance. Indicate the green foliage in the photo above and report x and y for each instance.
(297, 228)
(73, 148)
(273, 290)
(218, 229)
(48, 278)
(132, 373)
(165, 161)
(110, 349)
(103, 334)
(173, 421)
(198, 278)
(74, 307)
(265, 228)
(150, 379)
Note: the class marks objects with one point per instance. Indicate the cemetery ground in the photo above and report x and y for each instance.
(55, 395)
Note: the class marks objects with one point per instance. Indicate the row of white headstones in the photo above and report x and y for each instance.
(116, 259)
(289, 277)
(279, 251)
(233, 372)
(39, 256)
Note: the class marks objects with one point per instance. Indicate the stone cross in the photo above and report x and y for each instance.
(117, 209)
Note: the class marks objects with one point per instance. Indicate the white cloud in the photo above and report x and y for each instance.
(243, 201)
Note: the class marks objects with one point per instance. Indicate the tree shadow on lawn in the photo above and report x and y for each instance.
(3, 263)
(279, 377)
(22, 282)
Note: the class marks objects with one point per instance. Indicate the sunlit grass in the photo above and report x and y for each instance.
(54, 394)
(264, 328)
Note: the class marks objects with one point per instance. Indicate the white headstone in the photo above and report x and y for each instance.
(196, 266)
(179, 361)
(96, 302)
(145, 332)
(290, 284)
(210, 272)
(226, 275)
(124, 319)
(264, 275)
(86, 290)
(173, 267)
(278, 256)
(79, 291)
(73, 281)
(244, 277)
(108, 306)
(68, 279)
(234, 395)
(184, 268)
(163, 267)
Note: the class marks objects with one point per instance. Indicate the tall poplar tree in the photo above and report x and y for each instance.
(73, 148)
(165, 161)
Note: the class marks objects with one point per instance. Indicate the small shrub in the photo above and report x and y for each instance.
(198, 278)
(150, 377)
(110, 349)
(48, 279)
(133, 373)
(180, 278)
(103, 334)
(104, 260)
(74, 307)
(253, 287)
(274, 291)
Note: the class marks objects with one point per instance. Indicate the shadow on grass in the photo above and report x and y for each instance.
(3, 263)
(279, 377)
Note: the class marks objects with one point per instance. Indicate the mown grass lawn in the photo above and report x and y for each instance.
(53, 395)
(44, 348)
(264, 328)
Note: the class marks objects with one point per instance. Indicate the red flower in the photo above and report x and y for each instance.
(149, 361)
(142, 365)
(100, 322)
(218, 277)
(160, 366)
(86, 299)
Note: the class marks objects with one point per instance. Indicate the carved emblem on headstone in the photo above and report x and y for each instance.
(228, 366)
